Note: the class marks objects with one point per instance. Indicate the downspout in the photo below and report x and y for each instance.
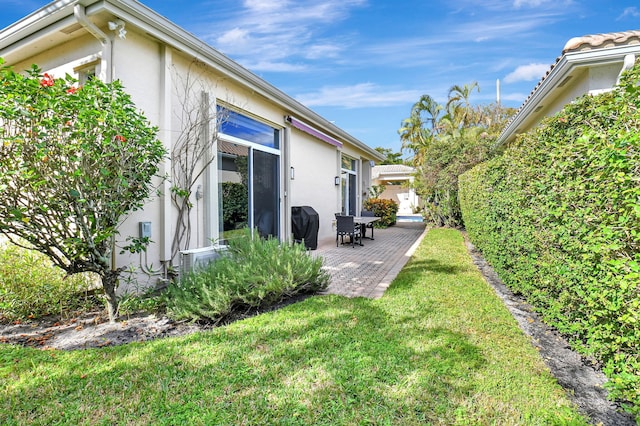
(106, 70)
(106, 62)
(629, 61)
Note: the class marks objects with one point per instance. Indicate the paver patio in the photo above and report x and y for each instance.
(367, 271)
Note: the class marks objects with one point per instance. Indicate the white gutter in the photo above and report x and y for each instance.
(106, 63)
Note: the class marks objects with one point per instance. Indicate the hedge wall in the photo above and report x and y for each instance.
(558, 216)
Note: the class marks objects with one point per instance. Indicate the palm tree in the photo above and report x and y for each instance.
(414, 137)
(458, 106)
(428, 108)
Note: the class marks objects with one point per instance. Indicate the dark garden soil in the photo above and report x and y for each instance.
(93, 330)
(582, 380)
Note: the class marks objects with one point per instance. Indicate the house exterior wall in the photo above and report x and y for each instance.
(405, 198)
(62, 59)
(315, 163)
(398, 182)
(592, 80)
(154, 74)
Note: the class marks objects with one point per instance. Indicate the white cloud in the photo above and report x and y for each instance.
(516, 97)
(358, 96)
(266, 66)
(278, 31)
(322, 51)
(234, 36)
(630, 12)
(530, 3)
(530, 72)
(265, 5)
(561, 6)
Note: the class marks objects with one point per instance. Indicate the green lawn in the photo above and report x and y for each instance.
(438, 348)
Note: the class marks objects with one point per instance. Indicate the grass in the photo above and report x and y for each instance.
(438, 348)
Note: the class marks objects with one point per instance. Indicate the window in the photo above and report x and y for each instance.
(86, 71)
(248, 175)
(245, 128)
(348, 185)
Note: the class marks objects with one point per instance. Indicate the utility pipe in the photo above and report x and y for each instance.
(106, 61)
(629, 61)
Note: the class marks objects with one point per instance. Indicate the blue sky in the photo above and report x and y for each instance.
(363, 63)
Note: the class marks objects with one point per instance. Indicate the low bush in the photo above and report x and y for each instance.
(558, 216)
(31, 287)
(383, 208)
(133, 303)
(255, 273)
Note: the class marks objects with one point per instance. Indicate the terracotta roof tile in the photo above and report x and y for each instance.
(600, 41)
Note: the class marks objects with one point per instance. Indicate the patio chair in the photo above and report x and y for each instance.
(345, 226)
(367, 213)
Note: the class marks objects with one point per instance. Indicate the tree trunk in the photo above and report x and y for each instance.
(109, 284)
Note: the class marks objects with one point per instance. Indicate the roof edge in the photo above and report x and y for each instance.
(564, 64)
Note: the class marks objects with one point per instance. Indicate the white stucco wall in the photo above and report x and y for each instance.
(316, 165)
(154, 76)
(62, 59)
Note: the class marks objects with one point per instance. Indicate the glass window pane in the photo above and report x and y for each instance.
(245, 128)
(266, 193)
(233, 181)
(348, 163)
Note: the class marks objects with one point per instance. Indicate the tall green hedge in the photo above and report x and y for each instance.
(558, 216)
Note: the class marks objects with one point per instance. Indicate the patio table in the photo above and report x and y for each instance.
(363, 221)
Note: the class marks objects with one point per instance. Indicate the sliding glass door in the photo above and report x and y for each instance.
(348, 186)
(266, 193)
(248, 177)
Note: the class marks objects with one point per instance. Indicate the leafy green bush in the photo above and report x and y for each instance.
(383, 208)
(75, 162)
(558, 216)
(133, 303)
(255, 273)
(31, 287)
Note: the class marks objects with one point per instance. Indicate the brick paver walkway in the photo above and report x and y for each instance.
(367, 271)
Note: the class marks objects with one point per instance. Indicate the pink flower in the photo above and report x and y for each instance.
(47, 80)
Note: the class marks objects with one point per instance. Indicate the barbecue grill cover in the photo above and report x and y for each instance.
(305, 223)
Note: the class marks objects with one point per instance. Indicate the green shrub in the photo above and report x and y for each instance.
(558, 216)
(31, 287)
(132, 303)
(383, 208)
(255, 273)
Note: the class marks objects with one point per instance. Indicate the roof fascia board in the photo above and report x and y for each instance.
(22, 39)
(35, 22)
(171, 34)
(562, 68)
